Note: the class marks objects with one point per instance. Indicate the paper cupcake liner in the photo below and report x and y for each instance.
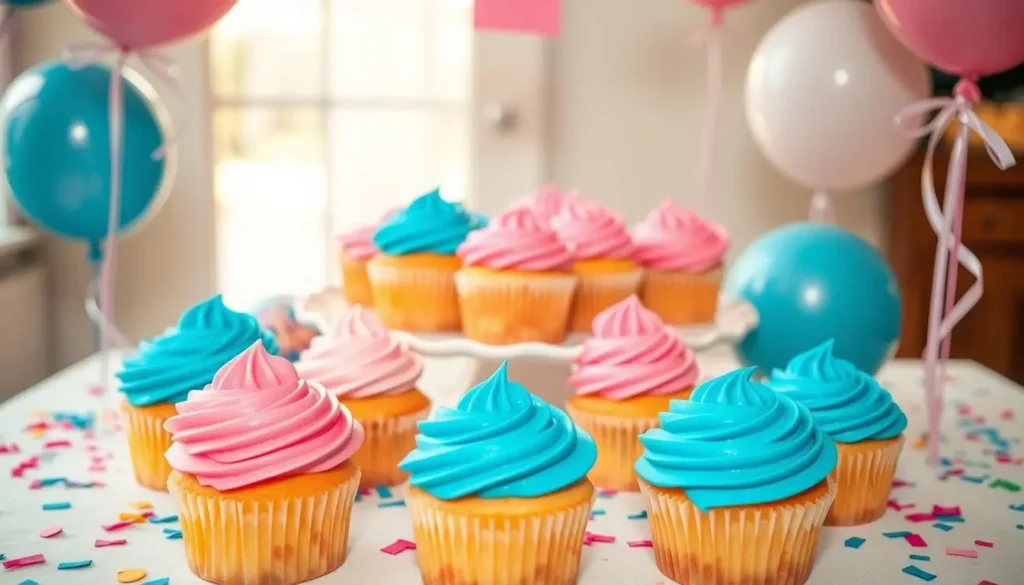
(863, 481)
(744, 545)
(682, 298)
(248, 541)
(618, 447)
(355, 282)
(597, 292)
(414, 299)
(388, 440)
(502, 309)
(498, 548)
(147, 443)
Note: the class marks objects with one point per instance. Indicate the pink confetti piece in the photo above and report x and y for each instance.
(607, 493)
(946, 511)
(41, 425)
(986, 582)
(117, 525)
(961, 552)
(97, 468)
(91, 448)
(894, 505)
(590, 537)
(963, 409)
(24, 561)
(17, 471)
(147, 513)
(898, 483)
(953, 472)
(640, 543)
(9, 448)
(63, 443)
(984, 543)
(96, 390)
(1003, 458)
(1006, 414)
(399, 546)
(36, 484)
(920, 517)
(100, 543)
(542, 17)
(51, 532)
(916, 541)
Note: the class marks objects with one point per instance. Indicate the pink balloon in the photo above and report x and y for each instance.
(138, 24)
(969, 38)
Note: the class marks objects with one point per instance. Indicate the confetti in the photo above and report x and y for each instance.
(946, 511)
(961, 552)
(1005, 484)
(399, 546)
(56, 444)
(140, 504)
(29, 582)
(1006, 414)
(984, 543)
(383, 491)
(117, 525)
(56, 506)
(131, 517)
(1017, 507)
(100, 543)
(172, 534)
(51, 532)
(854, 542)
(393, 504)
(67, 565)
(900, 534)
(638, 515)
(607, 493)
(920, 558)
(920, 517)
(590, 537)
(894, 505)
(160, 581)
(916, 541)
(640, 543)
(163, 519)
(973, 479)
(986, 582)
(942, 527)
(48, 481)
(597, 512)
(916, 572)
(130, 575)
(24, 561)
(8, 449)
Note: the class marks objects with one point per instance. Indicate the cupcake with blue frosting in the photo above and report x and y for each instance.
(166, 368)
(737, 483)
(412, 275)
(498, 490)
(863, 421)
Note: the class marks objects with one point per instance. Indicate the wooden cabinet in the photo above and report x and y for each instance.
(993, 227)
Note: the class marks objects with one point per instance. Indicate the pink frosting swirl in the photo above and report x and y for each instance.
(545, 203)
(259, 421)
(674, 239)
(516, 240)
(358, 243)
(360, 359)
(592, 230)
(633, 353)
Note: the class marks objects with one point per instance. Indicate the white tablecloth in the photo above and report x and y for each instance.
(986, 510)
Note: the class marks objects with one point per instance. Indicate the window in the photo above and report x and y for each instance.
(325, 115)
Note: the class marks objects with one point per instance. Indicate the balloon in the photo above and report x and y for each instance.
(822, 90)
(810, 283)
(56, 149)
(145, 23)
(969, 38)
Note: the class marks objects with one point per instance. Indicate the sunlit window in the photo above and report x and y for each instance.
(326, 114)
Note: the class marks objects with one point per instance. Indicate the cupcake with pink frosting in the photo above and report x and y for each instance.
(545, 203)
(355, 249)
(374, 376)
(602, 252)
(516, 283)
(627, 373)
(263, 474)
(682, 259)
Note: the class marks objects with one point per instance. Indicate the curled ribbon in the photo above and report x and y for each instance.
(946, 222)
(709, 36)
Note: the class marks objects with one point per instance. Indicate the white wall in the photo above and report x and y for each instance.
(169, 263)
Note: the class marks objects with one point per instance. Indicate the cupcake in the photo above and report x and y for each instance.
(516, 283)
(355, 249)
(277, 315)
(682, 259)
(163, 371)
(498, 492)
(863, 421)
(412, 276)
(737, 483)
(263, 476)
(626, 375)
(602, 258)
(374, 376)
(545, 203)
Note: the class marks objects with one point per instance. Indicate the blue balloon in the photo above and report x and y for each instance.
(814, 282)
(56, 149)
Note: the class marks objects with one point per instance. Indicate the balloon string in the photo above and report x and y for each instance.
(710, 36)
(822, 209)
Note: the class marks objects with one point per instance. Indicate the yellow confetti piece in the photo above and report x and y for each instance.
(130, 575)
(920, 443)
(140, 505)
(36, 433)
(131, 516)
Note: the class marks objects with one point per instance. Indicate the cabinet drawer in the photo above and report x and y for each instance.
(993, 219)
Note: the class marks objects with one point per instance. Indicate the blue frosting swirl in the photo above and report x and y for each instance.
(499, 442)
(736, 443)
(428, 224)
(848, 404)
(187, 356)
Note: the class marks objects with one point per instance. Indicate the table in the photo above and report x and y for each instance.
(973, 392)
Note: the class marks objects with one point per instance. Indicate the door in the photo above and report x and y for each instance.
(327, 114)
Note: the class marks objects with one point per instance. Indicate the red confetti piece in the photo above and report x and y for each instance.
(916, 541)
(963, 409)
(1003, 458)
(894, 505)
(17, 471)
(952, 472)
(57, 444)
(590, 537)
(9, 448)
(984, 543)
(986, 582)
(24, 561)
(117, 525)
(100, 543)
(640, 543)
(961, 552)
(38, 426)
(898, 483)
(1006, 414)
(51, 532)
(946, 511)
(920, 517)
(399, 546)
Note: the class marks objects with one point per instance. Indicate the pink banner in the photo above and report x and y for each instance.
(541, 17)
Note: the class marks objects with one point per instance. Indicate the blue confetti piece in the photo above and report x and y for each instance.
(920, 558)
(916, 572)
(2, 557)
(383, 492)
(56, 506)
(597, 512)
(29, 582)
(173, 535)
(171, 530)
(942, 527)
(163, 519)
(946, 462)
(394, 504)
(74, 565)
(359, 497)
(1019, 527)
(900, 534)
(160, 581)
(973, 479)
(854, 542)
(949, 518)
(48, 481)
(638, 515)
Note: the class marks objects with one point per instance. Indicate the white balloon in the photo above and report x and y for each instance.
(822, 90)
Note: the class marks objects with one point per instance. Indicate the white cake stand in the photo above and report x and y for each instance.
(458, 363)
